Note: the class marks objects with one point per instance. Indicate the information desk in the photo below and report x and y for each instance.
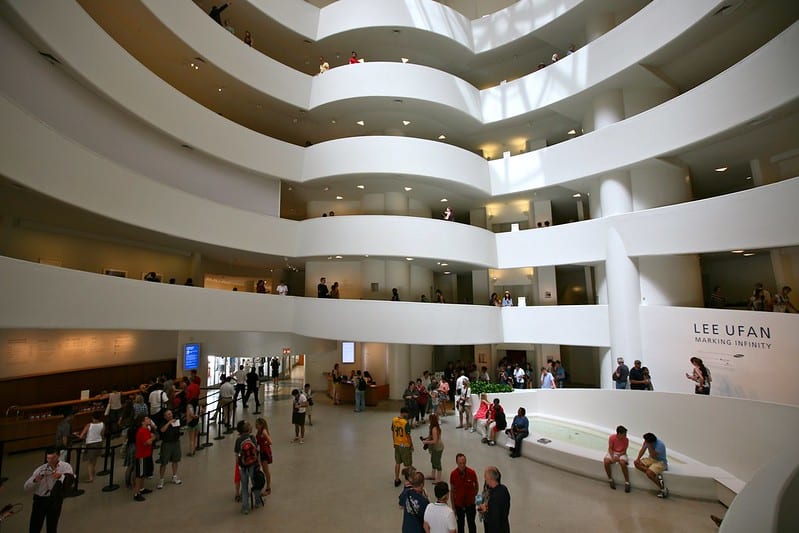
(346, 392)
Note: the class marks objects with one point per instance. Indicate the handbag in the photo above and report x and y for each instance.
(258, 479)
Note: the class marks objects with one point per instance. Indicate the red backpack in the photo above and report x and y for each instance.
(248, 454)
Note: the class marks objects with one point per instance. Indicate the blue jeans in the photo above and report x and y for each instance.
(360, 400)
(246, 476)
(621, 384)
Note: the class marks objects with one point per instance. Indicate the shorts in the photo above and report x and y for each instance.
(615, 458)
(170, 453)
(298, 419)
(658, 467)
(435, 459)
(144, 467)
(403, 455)
(93, 451)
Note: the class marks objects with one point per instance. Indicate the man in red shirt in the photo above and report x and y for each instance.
(193, 393)
(463, 481)
(617, 453)
(145, 437)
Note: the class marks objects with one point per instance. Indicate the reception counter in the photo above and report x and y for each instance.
(346, 393)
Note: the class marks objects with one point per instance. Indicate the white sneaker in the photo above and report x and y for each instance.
(176, 480)
(160, 484)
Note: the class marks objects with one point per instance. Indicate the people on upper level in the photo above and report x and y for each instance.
(448, 214)
(717, 299)
(440, 297)
(216, 12)
(395, 295)
(324, 66)
(321, 289)
(334, 290)
(354, 58)
(507, 299)
(782, 301)
(494, 300)
(760, 299)
(260, 287)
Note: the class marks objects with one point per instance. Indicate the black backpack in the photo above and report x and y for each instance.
(361, 384)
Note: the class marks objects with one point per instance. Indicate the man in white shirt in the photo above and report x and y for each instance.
(226, 392)
(298, 416)
(439, 517)
(157, 400)
(465, 404)
(240, 376)
(48, 484)
(519, 377)
(282, 289)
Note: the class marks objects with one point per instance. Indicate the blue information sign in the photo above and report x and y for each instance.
(191, 356)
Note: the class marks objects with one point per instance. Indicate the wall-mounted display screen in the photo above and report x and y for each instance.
(347, 352)
(191, 356)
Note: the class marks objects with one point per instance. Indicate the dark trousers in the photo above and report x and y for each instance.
(239, 391)
(468, 513)
(45, 507)
(518, 438)
(253, 392)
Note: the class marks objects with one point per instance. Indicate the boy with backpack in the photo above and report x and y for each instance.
(247, 455)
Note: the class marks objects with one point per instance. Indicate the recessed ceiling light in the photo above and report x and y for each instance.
(291, 188)
(576, 195)
(397, 100)
(444, 264)
(339, 257)
(339, 197)
(360, 187)
(737, 251)
(444, 200)
(220, 89)
(447, 272)
(409, 258)
(749, 254)
(572, 132)
(258, 106)
(360, 123)
(406, 122)
(721, 169)
(327, 189)
(408, 189)
(749, 177)
(442, 137)
(333, 121)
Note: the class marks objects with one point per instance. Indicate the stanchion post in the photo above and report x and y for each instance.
(111, 485)
(104, 471)
(75, 490)
(206, 444)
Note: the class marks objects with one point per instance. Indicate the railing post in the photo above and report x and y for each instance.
(111, 485)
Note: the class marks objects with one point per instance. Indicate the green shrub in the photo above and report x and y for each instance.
(480, 387)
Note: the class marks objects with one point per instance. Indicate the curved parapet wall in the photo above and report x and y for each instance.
(94, 301)
(708, 110)
(35, 155)
(713, 108)
(610, 56)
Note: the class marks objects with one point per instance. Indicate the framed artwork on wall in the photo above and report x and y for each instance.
(115, 272)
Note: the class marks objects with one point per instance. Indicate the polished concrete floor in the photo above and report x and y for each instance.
(340, 480)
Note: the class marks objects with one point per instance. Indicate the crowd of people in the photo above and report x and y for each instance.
(761, 299)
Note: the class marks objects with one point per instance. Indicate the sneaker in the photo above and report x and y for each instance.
(145, 491)
(484, 440)
(176, 480)
(139, 498)
(492, 443)
(471, 430)
(397, 482)
(626, 487)
(302, 441)
(160, 484)
(612, 484)
(663, 493)
(245, 511)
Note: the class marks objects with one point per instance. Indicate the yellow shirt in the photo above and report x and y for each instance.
(401, 432)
